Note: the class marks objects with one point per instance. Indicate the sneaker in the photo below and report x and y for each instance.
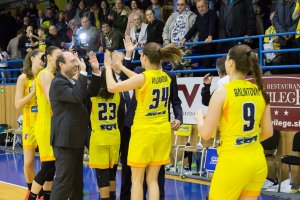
(27, 195)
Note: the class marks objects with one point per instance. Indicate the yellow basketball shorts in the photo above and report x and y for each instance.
(28, 139)
(42, 135)
(103, 156)
(238, 173)
(149, 145)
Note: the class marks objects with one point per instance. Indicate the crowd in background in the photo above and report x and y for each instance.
(97, 25)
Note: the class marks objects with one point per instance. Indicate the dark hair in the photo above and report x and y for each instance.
(138, 4)
(49, 51)
(247, 62)
(103, 92)
(156, 54)
(220, 64)
(60, 59)
(27, 67)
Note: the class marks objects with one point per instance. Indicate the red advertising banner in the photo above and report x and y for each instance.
(284, 91)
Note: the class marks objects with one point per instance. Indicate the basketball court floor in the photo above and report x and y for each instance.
(13, 185)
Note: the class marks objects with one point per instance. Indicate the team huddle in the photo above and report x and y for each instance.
(56, 120)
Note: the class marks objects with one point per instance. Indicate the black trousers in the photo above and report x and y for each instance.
(126, 170)
(68, 183)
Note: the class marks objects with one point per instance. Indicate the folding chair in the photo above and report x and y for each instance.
(195, 149)
(291, 159)
(184, 130)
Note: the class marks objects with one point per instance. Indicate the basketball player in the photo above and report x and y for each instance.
(242, 111)
(44, 177)
(25, 99)
(150, 142)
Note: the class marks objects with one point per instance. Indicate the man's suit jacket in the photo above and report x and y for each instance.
(70, 118)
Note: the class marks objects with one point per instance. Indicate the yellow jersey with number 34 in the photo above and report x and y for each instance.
(241, 115)
(104, 120)
(153, 98)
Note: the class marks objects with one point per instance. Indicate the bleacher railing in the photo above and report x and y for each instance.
(261, 53)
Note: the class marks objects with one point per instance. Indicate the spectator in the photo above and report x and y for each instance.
(154, 29)
(272, 43)
(62, 25)
(32, 11)
(118, 17)
(49, 19)
(53, 7)
(95, 15)
(158, 10)
(91, 34)
(205, 26)
(283, 22)
(40, 18)
(259, 19)
(178, 24)
(70, 11)
(41, 43)
(238, 20)
(26, 42)
(104, 11)
(82, 10)
(138, 34)
(56, 38)
(74, 24)
(135, 9)
(26, 22)
(112, 39)
(3, 57)
(12, 47)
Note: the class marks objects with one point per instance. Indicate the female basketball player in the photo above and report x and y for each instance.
(44, 177)
(242, 111)
(25, 99)
(150, 142)
(105, 139)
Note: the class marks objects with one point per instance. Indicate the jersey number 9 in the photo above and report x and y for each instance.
(249, 116)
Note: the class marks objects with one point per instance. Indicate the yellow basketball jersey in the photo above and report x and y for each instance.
(241, 114)
(30, 109)
(153, 98)
(104, 120)
(44, 112)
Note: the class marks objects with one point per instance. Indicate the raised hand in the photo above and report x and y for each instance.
(128, 44)
(80, 62)
(207, 79)
(107, 59)
(94, 62)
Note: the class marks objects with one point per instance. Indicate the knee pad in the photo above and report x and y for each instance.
(46, 172)
(102, 177)
(112, 174)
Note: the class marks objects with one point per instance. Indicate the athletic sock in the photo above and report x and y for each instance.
(41, 193)
(112, 195)
(32, 196)
(47, 195)
(29, 186)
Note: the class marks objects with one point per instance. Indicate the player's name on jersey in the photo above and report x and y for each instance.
(160, 79)
(246, 92)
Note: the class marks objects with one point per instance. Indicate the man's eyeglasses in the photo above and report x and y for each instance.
(180, 4)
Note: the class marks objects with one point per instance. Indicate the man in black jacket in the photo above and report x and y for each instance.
(238, 20)
(69, 123)
(125, 137)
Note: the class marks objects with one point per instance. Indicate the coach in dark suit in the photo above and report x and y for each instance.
(69, 123)
(128, 121)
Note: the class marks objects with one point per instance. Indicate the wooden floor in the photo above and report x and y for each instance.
(9, 191)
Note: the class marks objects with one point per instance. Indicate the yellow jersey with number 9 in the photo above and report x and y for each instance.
(104, 120)
(153, 98)
(241, 115)
(30, 109)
